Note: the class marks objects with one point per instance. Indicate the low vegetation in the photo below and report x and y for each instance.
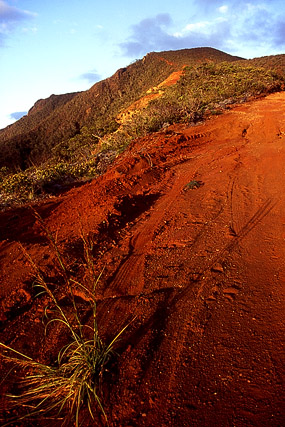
(202, 90)
(75, 378)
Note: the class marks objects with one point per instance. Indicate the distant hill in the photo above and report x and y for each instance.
(60, 117)
(272, 62)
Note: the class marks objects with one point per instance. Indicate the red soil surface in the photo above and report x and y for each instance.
(153, 93)
(189, 224)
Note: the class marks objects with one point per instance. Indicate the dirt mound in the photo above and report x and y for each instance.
(189, 225)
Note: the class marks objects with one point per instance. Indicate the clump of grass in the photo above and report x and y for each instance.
(192, 185)
(75, 378)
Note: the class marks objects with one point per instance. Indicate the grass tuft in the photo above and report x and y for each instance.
(76, 377)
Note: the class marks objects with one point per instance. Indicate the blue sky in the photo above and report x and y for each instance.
(62, 46)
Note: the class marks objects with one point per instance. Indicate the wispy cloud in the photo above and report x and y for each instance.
(91, 77)
(223, 9)
(17, 115)
(210, 5)
(10, 18)
(31, 30)
(234, 27)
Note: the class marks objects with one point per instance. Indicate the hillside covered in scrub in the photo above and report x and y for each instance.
(67, 139)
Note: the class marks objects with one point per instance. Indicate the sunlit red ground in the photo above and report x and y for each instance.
(189, 224)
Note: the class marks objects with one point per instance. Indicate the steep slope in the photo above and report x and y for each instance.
(188, 224)
(31, 138)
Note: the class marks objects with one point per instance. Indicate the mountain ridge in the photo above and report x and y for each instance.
(66, 139)
(79, 109)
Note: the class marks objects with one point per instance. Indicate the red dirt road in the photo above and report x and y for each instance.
(189, 224)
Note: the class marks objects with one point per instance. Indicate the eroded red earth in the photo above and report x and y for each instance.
(189, 224)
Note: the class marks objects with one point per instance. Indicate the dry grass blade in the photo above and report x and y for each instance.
(75, 379)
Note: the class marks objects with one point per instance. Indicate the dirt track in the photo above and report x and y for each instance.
(190, 226)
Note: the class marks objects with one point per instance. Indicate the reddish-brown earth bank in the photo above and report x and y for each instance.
(189, 224)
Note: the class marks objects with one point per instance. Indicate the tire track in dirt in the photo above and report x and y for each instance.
(131, 272)
(132, 269)
(183, 304)
(239, 227)
(223, 252)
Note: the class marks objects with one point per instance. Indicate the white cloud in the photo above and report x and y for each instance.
(203, 28)
(223, 9)
(32, 30)
(198, 26)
